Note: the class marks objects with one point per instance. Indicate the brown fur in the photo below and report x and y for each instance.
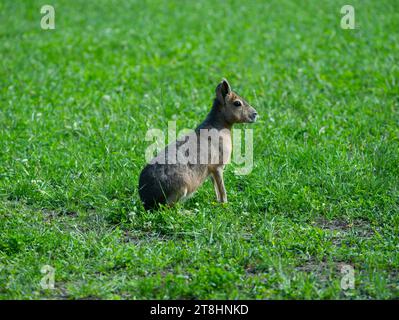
(170, 182)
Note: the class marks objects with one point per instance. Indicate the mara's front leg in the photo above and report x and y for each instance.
(218, 176)
(215, 186)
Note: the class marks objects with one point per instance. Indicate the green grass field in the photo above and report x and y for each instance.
(77, 101)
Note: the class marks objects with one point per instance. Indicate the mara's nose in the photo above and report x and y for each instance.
(254, 115)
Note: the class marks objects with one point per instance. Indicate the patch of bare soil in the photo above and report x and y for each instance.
(341, 228)
(138, 238)
(53, 214)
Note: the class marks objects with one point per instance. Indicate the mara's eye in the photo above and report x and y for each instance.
(237, 103)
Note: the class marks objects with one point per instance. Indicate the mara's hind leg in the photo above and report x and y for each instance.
(176, 196)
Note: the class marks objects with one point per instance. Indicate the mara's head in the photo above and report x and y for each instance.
(234, 108)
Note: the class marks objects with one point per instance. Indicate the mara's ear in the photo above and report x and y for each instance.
(222, 90)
